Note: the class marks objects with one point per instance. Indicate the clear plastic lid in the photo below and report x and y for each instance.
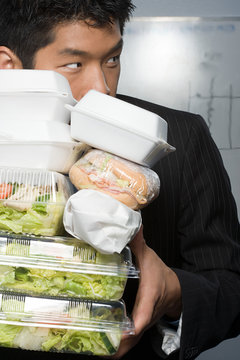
(68, 324)
(32, 201)
(63, 254)
(32, 185)
(62, 267)
(64, 313)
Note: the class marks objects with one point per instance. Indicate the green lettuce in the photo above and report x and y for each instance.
(59, 340)
(62, 283)
(8, 334)
(40, 219)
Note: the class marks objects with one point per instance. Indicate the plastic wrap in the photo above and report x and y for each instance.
(134, 185)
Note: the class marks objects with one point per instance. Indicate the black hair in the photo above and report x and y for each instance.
(28, 25)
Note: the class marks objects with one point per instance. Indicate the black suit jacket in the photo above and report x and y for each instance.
(193, 227)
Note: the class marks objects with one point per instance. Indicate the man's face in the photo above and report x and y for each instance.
(88, 57)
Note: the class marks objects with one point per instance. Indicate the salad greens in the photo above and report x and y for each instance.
(61, 283)
(28, 211)
(59, 340)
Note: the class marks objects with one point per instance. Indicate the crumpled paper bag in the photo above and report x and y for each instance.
(100, 220)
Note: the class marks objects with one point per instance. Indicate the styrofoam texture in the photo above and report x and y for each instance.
(28, 130)
(55, 156)
(122, 141)
(122, 113)
(34, 107)
(34, 95)
(24, 80)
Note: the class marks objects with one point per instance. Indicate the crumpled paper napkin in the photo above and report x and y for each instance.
(100, 220)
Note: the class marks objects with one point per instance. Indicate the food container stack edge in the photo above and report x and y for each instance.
(62, 325)
(59, 266)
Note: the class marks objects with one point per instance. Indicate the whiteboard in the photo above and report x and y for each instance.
(190, 64)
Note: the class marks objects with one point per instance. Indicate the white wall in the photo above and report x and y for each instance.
(229, 349)
(187, 7)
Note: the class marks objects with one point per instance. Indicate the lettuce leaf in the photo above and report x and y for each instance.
(40, 219)
(87, 342)
(62, 283)
(8, 334)
(59, 340)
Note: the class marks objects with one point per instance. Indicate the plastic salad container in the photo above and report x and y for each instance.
(51, 155)
(120, 128)
(33, 201)
(59, 325)
(34, 95)
(64, 267)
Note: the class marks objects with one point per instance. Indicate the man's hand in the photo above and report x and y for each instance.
(159, 293)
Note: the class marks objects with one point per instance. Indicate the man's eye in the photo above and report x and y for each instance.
(74, 65)
(114, 60)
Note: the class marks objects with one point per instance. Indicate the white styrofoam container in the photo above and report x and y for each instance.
(55, 156)
(28, 130)
(120, 128)
(123, 114)
(34, 95)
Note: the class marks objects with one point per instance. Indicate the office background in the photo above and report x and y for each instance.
(217, 34)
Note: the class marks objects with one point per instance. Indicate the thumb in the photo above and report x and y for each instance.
(142, 312)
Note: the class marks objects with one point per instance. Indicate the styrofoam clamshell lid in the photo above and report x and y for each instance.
(57, 313)
(35, 81)
(122, 113)
(120, 128)
(19, 185)
(63, 254)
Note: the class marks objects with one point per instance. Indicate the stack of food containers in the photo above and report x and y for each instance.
(35, 130)
(56, 293)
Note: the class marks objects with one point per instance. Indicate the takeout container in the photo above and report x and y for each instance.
(62, 266)
(28, 130)
(35, 95)
(33, 201)
(51, 155)
(62, 325)
(123, 129)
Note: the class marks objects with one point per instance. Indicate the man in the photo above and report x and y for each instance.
(190, 261)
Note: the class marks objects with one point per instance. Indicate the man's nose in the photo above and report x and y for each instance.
(99, 82)
(96, 80)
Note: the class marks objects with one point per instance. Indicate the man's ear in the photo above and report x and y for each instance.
(8, 60)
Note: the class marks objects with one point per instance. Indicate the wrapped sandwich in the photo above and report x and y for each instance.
(133, 185)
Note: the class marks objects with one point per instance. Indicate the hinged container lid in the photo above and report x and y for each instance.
(21, 187)
(63, 254)
(35, 82)
(64, 313)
